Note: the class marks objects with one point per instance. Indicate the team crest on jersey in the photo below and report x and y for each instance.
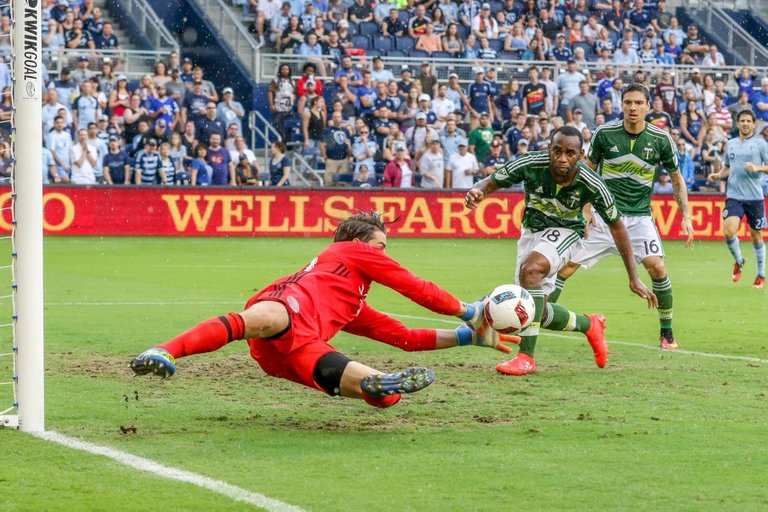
(648, 151)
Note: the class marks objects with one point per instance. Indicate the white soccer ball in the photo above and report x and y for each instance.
(509, 309)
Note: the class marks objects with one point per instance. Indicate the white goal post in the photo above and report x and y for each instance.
(27, 201)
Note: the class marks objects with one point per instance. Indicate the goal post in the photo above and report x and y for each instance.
(27, 199)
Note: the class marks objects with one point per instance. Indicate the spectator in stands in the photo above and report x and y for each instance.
(162, 107)
(380, 73)
(209, 125)
(662, 57)
(451, 41)
(281, 96)
(221, 164)
(392, 25)
(115, 165)
(240, 150)
(484, 24)
(160, 132)
(345, 38)
(84, 157)
(406, 114)
(85, 109)
(608, 111)
(568, 85)
(320, 31)
(672, 48)
(560, 51)
(708, 94)
(694, 46)
(50, 109)
(308, 17)
(432, 166)
(694, 84)
(638, 18)
(745, 79)
(442, 106)
(354, 77)
(335, 149)
(107, 78)
(534, 93)
(229, 111)
(174, 60)
(364, 149)
(614, 18)
(429, 41)
(145, 88)
(245, 172)
(417, 137)
(461, 169)
(449, 139)
(495, 157)
(383, 11)
(742, 103)
(279, 17)
(516, 40)
(312, 50)
(713, 58)
(78, 37)
(693, 125)
(468, 10)
(132, 116)
(424, 105)
(399, 172)
(207, 86)
(760, 101)
(101, 150)
(188, 138)
(176, 88)
(666, 90)
(673, 30)
(199, 169)
(59, 141)
(193, 106)
(179, 151)
(587, 102)
(186, 71)
(59, 10)
(661, 17)
(481, 137)
(54, 39)
(292, 36)
(147, 167)
(161, 76)
(663, 185)
(68, 22)
(657, 116)
(439, 21)
(359, 12)
(337, 11)
(626, 56)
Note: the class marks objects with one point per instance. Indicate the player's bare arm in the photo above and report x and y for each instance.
(621, 237)
(724, 172)
(680, 193)
(480, 191)
(750, 167)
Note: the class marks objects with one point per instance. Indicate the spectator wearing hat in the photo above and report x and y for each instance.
(479, 99)
(81, 73)
(560, 52)
(424, 105)
(462, 169)
(495, 158)
(662, 57)
(432, 166)
(161, 132)
(186, 71)
(345, 38)
(578, 120)
(663, 184)
(480, 138)
(399, 173)
(694, 83)
(115, 165)
(417, 137)
(193, 106)
(59, 10)
(163, 107)
(229, 111)
(147, 166)
(455, 93)
(484, 24)
(523, 146)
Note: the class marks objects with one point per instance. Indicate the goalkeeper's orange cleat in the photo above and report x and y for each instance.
(523, 364)
(596, 338)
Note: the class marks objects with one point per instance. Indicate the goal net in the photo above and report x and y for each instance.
(21, 246)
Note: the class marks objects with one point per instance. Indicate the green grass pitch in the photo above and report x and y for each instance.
(651, 431)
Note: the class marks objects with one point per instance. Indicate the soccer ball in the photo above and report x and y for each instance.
(509, 309)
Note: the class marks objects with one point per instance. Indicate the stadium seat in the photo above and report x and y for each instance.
(361, 42)
(396, 53)
(373, 52)
(342, 178)
(353, 28)
(404, 16)
(511, 55)
(496, 6)
(418, 54)
(585, 45)
(368, 28)
(329, 26)
(496, 44)
(464, 31)
(382, 43)
(405, 43)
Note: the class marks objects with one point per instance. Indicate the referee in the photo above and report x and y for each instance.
(746, 156)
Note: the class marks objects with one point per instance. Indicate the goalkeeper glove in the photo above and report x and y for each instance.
(474, 313)
(484, 336)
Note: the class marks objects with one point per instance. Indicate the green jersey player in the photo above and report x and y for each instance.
(627, 153)
(557, 186)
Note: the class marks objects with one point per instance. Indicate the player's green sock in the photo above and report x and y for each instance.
(561, 319)
(529, 335)
(760, 258)
(663, 290)
(559, 284)
(733, 246)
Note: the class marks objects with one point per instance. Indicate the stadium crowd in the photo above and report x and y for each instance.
(364, 123)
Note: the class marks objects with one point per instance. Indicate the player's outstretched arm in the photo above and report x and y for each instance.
(680, 193)
(623, 244)
(480, 191)
(724, 172)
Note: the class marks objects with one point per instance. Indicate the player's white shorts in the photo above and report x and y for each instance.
(599, 242)
(555, 244)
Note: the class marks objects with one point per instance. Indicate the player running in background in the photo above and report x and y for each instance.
(626, 153)
(557, 186)
(745, 158)
(288, 324)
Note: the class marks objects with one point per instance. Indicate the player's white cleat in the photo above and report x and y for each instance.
(154, 360)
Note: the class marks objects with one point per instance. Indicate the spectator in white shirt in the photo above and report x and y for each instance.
(461, 169)
(84, 159)
(626, 56)
(713, 58)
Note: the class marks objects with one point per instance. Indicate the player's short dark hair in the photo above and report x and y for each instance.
(568, 131)
(636, 87)
(362, 225)
(746, 112)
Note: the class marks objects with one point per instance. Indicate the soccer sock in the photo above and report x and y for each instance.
(663, 290)
(382, 402)
(733, 246)
(561, 319)
(207, 336)
(559, 285)
(760, 258)
(529, 335)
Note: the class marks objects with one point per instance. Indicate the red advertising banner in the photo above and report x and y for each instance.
(168, 211)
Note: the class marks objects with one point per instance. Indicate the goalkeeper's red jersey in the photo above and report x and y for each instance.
(337, 281)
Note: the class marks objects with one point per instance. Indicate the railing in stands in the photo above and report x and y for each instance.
(132, 63)
(149, 24)
(232, 30)
(739, 41)
(506, 69)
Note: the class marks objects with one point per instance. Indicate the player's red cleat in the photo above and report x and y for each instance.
(737, 271)
(596, 338)
(523, 364)
(759, 282)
